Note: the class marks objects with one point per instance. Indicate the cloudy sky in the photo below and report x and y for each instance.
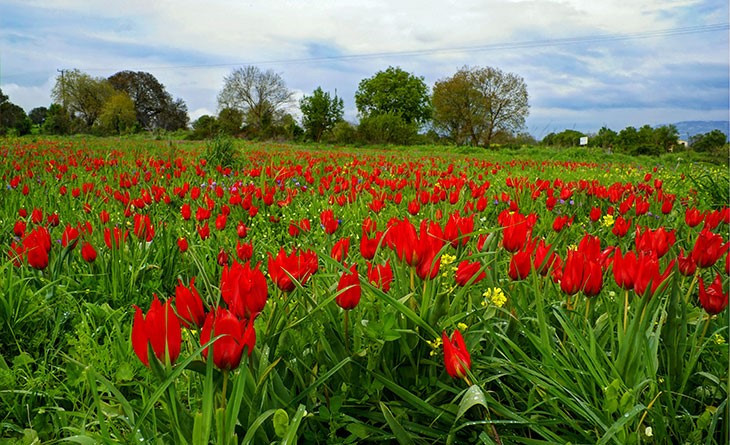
(586, 63)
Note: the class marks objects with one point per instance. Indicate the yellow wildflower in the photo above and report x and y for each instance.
(462, 326)
(608, 221)
(495, 295)
(447, 259)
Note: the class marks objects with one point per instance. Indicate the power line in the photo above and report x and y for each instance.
(598, 38)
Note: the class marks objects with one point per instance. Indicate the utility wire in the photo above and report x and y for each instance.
(528, 44)
(466, 49)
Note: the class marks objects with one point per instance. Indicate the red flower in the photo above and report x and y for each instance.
(624, 269)
(712, 298)
(189, 305)
(457, 230)
(621, 227)
(88, 253)
(595, 214)
(244, 289)
(561, 221)
(241, 230)
(658, 241)
(686, 264)
(520, 264)
(329, 222)
(70, 236)
(381, 275)
(160, 328)
(414, 207)
(118, 238)
(693, 217)
(220, 222)
(235, 335)
(348, 289)
(204, 231)
(299, 264)
(244, 251)
(647, 274)
(37, 245)
(456, 357)
(19, 228)
(222, 257)
(544, 258)
(708, 248)
(182, 244)
(572, 277)
(516, 228)
(368, 246)
(143, 228)
(340, 249)
(466, 270)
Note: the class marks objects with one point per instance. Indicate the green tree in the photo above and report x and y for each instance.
(261, 96)
(628, 138)
(320, 113)
(205, 127)
(154, 106)
(386, 128)
(475, 104)
(118, 115)
(230, 121)
(82, 95)
(12, 117)
(38, 115)
(566, 138)
(394, 92)
(708, 141)
(667, 137)
(57, 121)
(605, 138)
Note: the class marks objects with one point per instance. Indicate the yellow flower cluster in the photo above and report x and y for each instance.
(495, 295)
(608, 221)
(462, 326)
(718, 339)
(447, 259)
(435, 345)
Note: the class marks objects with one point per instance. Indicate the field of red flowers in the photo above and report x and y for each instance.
(311, 295)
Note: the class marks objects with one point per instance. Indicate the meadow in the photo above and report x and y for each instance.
(239, 292)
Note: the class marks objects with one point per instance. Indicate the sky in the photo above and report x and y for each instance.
(586, 63)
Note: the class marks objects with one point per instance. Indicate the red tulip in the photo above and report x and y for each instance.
(624, 269)
(458, 229)
(712, 298)
(456, 357)
(340, 249)
(299, 264)
(520, 265)
(708, 248)
(544, 258)
(621, 227)
(234, 334)
(381, 275)
(241, 230)
(189, 305)
(244, 289)
(348, 289)
(595, 214)
(658, 241)
(647, 274)
(466, 270)
(182, 244)
(160, 328)
(118, 237)
(244, 251)
(368, 246)
(329, 222)
(220, 222)
(37, 245)
(88, 253)
(204, 231)
(686, 264)
(70, 236)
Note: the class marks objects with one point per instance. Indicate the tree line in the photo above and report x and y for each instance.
(477, 106)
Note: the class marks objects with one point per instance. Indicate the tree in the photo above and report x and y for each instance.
(230, 121)
(387, 128)
(396, 92)
(205, 127)
(320, 113)
(476, 103)
(261, 96)
(12, 117)
(38, 115)
(57, 121)
(708, 141)
(605, 138)
(566, 138)
(154, 107)
(118, 115)
(82, 95)
(666, 136)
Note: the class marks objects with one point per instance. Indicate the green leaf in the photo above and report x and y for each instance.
(291, 434)
(399, 432)
(473, 396)
(281, 422)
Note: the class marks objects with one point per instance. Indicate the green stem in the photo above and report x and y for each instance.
(691, 286)
(626, 308)
(347, 332)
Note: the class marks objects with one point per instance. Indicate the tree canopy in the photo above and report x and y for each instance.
(12, 117)
(82, 95)
(320, 113)
(476, 103)
(394, 91)
(154, 106)
(261, 96)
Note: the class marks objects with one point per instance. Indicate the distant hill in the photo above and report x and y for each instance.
(688, 129)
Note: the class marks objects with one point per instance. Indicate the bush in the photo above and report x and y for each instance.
(343, 132)
(386, 128)
(219, 151)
